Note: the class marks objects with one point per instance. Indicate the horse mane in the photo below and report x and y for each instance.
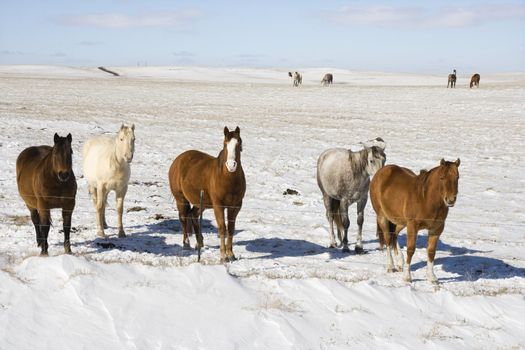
(220, 159)
(358, 161)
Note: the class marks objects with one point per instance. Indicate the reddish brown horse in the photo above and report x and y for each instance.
(403, 199)
(474, 80)
(45, 181)
(222, 180)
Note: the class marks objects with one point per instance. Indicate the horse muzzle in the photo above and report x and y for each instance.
(63, 176)
(450, 202)
(231, 165)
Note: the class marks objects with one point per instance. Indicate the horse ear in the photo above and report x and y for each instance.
(226, 131)
(121, 126)
(458, 162)
(133, 126)
(237, 130)
(69, 138)
(379, 142)
(56, 138)
(442, 161)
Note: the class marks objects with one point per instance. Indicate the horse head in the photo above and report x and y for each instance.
(125, 142)
(376, 156)
(376, 159)
(232, 148)
(448, 181)
(62, 157)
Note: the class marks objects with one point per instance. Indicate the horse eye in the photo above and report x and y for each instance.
(121, 139)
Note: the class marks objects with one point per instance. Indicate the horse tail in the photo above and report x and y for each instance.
(338, 217)
(391, 235)
(380, 237)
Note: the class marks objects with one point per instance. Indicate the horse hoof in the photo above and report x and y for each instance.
(121, 234)
(359, 250)
(102, 235)
(333, 245)
(44, 254)
(390, 270)
(186, 247)
(346, 250)
(228, 259)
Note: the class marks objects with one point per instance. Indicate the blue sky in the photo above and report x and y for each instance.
(405, 36)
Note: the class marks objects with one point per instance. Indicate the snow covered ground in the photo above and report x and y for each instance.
(287, 290)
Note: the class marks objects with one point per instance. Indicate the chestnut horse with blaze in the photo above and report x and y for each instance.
(223, 184)
(45, 180)
(403, 199)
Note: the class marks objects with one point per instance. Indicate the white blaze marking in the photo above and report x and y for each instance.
(231, 164)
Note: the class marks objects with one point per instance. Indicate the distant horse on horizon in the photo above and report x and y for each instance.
(222, 182)
(402, 199)
(474, 80)
(107, 168)
(343, 177)
(452, 80)
(45, 180)
(328, 79)
(297, 78)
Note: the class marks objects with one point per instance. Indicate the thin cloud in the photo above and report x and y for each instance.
(184, 54)
(171, 19)
(12, 53)
(421, 17)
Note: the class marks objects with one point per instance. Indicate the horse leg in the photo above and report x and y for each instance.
(101, 208)
(384, 225)
(433, 238)
(345, 223)
(120, 209)
(67, 213)
(45, 222)
(360, 219)
(36, 222)
(411, 247)
(219, 217)
(93, 191)
(195, 213)
(331, 208)
(183, 207)
(395, 229)
(232, 216)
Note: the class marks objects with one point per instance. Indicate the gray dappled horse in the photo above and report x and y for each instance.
(344, 178)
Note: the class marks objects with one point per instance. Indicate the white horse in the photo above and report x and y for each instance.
(107, 168)
(297, 78)
(344, 178)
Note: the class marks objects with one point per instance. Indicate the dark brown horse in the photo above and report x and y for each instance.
(222, 180)
(45, 181)
(403, 199)
(452, 80)
(327, 79)
(474, 80)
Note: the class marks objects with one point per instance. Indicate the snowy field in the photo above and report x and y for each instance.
(287, 290)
